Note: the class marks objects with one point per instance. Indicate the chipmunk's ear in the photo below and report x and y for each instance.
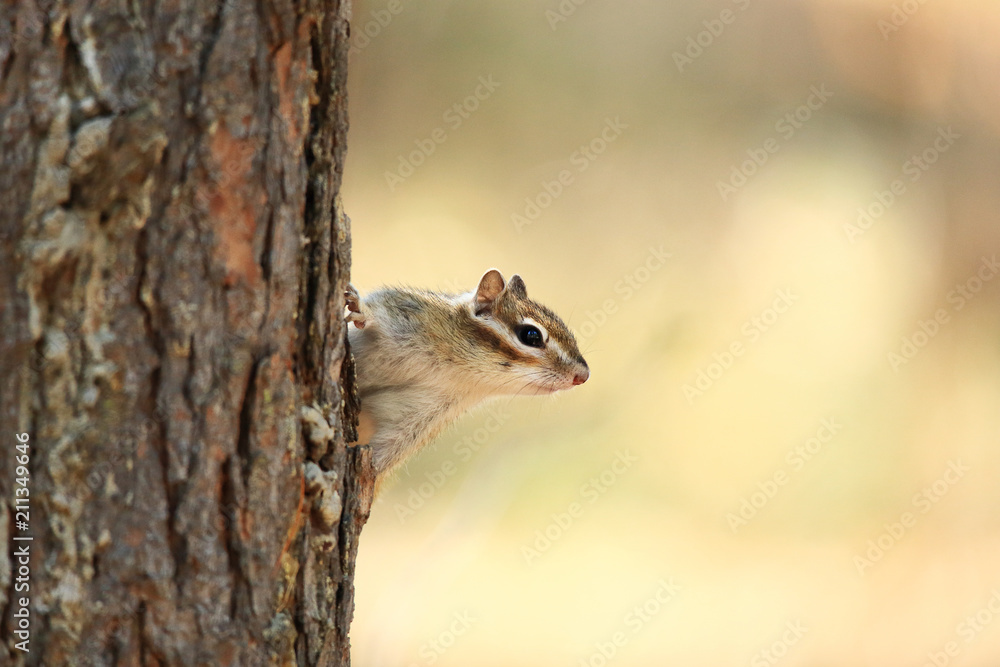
(517, 288)
(490, 287)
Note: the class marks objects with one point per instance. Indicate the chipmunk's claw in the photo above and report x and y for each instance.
(354, 312)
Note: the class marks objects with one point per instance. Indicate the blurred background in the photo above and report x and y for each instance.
(773, 225)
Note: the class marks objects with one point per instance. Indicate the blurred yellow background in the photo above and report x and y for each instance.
(774, 226)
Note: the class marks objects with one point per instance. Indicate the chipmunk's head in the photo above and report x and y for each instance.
(530, 349)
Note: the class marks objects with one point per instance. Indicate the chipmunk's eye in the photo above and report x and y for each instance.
(530, 336)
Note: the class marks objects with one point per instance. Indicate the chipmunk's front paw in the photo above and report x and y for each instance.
(354, 312)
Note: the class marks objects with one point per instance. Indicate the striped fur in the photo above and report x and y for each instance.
(424, 358)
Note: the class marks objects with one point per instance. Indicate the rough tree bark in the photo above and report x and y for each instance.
(173, 254)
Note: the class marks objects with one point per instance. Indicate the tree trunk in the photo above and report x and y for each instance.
(173, 254)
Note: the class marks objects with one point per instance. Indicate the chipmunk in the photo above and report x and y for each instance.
(423, 358)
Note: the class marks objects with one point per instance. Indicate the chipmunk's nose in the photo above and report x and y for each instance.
(581, 377)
